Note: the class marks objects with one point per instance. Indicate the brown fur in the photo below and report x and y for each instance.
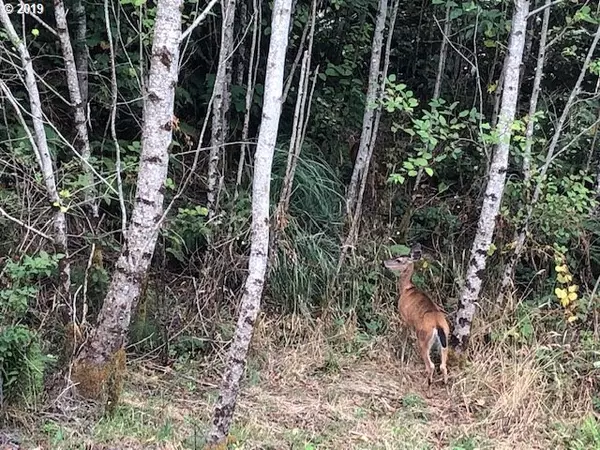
(421, 314)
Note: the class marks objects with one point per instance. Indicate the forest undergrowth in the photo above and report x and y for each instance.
(326, 384)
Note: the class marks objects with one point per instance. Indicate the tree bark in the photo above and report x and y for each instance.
(108, 337)
(43, 156)
(81, 50)
(252, 71)
(496, 180)
(257, 265)
(221, 105)
(82, 141)
(519, 238)
(355, 227)
(369, 113)
(443, 55)
(301, 117)
(355, 222)
(521, 234)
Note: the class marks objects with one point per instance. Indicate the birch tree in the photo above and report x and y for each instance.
(535, 93)
(300, 122)
(39, 144)
(522, 232)
(251, 77)
(360, 165)
(496, 179)
(443, 54)
(81, 49)
(74, 84)
(257, 264)
(91, 366)
(220, 107)
(355, 224)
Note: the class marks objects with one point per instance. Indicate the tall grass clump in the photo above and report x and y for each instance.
(307, 251)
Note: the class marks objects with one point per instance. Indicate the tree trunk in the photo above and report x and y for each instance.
(519, 238)
(43, 156)
(252, 70)
(257, 265)
(355, 222)
(369, 114)
(496, 180)
(290, 77)
(301, 116)
(92, 365)
(521, 234)
(81, 50)
(443, 55)
(114, 92)
(355, 226)
(82, 141)
(220, 109)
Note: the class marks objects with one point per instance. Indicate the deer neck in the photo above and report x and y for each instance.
(405, 279)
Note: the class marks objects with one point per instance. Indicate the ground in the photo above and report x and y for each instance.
(316, 395)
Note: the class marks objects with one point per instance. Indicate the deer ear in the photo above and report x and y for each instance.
(416, 251)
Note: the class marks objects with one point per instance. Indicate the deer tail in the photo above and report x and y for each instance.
(442, 337)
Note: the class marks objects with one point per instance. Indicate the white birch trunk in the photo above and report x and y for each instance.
(355, 227)
(290, 77)
(355, 222)
(220, 107)
(496, 180)
(522, 233)
(369, 114)
(519, 238)
(301, 116)
(443, 55)
(132, 265)
(249, 91)
(81, 49)
(40, 147)
(82, 141)
(257, 265)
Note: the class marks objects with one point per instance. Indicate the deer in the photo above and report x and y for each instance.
(420, 313)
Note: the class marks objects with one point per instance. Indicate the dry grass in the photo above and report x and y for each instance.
(311, 385)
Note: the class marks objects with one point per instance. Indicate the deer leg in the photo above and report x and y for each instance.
(424, 346)
(443, 368)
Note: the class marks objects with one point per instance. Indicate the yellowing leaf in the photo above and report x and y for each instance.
(492, 88)
(564, 302)
(569, 278)
(425, 264)
(572, 319)
(561, 278)
(560, 293)
(572, 296)
(573, 288)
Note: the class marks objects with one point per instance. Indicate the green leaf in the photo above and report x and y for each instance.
(412, 173)
(429, 171)
(399, 249)
(35, 32)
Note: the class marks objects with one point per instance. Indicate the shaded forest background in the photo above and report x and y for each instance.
(425, 184)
